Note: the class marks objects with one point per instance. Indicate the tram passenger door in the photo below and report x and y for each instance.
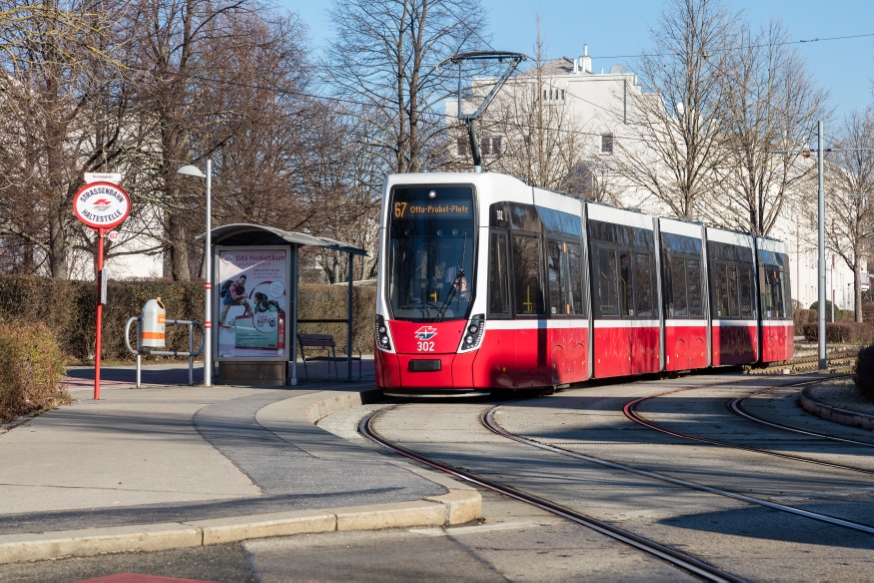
(612, 338)
(562, 306)
(532, 354)
(496, 360)
(645, 336)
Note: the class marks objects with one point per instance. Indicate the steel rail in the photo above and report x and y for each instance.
(630, 412)
(736, 407)
(676, 558)
(490, 423)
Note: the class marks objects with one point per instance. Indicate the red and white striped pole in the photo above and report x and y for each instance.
(207, 320)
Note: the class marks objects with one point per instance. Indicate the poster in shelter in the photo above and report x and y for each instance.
(252, 300)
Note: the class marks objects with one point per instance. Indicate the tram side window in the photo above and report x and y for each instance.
(721, 289)
(772, 293)
(787, 288)
(557, 280)
(678, 287)
(746, 293)
(643, 279)
(575, 276)
(693, 278)
(526, 275)
(607, 296)
(626, 284)
(499, 276)
(732, 290)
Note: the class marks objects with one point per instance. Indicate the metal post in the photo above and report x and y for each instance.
(349, 321)
(821, 243)
(190, 353)
(139, 369)
(207, 321)
(293, 313)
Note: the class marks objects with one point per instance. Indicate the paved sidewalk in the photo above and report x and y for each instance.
(178, 455)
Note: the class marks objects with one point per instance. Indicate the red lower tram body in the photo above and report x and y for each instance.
(487, 284)
(546, 356)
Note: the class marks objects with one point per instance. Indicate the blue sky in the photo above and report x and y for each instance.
(844, 67)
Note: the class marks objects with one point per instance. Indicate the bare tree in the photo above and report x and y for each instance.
(64, 29)
(65, 109)
(680, 122)
(849, 196)
(769, 121)
(384, 55)
(198, 59)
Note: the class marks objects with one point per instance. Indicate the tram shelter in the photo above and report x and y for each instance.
(253, 342)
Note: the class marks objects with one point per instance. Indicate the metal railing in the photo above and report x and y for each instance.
(140, 352)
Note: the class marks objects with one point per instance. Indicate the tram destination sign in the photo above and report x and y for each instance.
(101, 205)
(432, 209)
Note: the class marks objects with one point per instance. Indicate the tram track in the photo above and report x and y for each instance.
(736, 407)
(837, 361)
(630, 412)
(679, 559)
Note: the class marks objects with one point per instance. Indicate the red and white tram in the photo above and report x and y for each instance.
(486, 283)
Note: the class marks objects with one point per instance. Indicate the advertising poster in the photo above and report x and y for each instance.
(252, 302)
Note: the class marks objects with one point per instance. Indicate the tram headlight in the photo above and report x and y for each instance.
(473, 336)
(383, 342)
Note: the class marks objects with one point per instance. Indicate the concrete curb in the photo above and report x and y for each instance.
(454, 508)
(462, 504)
(834, 414)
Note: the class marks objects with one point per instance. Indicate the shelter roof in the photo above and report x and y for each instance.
(250, 234)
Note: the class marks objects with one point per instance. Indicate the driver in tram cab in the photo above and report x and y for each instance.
(462, 290)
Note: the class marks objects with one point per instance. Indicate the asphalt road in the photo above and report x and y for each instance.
(516, 542)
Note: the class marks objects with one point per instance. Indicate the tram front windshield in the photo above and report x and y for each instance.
(431, 253)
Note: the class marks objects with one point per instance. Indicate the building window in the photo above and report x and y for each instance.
(490, 145)
(463, 149)
(606, 143)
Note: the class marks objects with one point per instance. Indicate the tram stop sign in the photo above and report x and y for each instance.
(101, 206)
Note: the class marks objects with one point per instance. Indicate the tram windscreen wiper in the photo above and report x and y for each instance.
(453, 289)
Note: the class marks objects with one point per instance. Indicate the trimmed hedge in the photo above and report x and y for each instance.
(846, 331)
(828, 310)
(31, 368)
(68, 308)
(800, 317)
(864, 377)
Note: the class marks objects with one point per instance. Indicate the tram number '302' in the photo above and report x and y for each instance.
(426, 346)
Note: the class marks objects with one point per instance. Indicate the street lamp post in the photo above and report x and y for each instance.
(207, 257)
